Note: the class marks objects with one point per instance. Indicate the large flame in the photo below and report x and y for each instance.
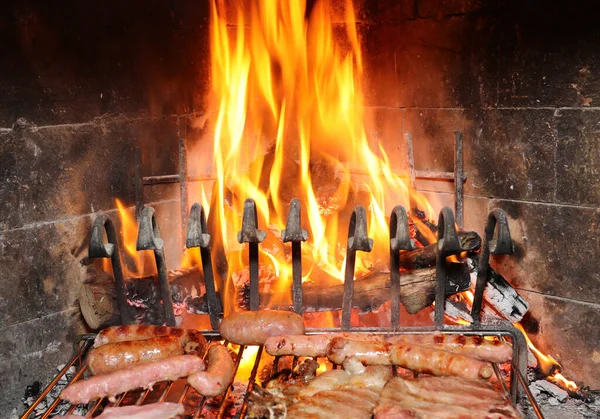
(290, 122)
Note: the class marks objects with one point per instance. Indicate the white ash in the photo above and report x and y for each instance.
(498, 299)
(63, 406)
(572, 408)
(546, 387)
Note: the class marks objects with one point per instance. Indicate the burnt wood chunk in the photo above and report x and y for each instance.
(424, 257)
(417, 290)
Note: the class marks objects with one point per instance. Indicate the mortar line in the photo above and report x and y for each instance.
(524, 201)
(566, 299)
(71, 309)
(38, 224)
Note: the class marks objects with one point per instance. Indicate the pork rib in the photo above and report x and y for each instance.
(443, 398)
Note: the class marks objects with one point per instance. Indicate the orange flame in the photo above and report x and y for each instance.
(134, 264)
(549, 366)
(289, 103)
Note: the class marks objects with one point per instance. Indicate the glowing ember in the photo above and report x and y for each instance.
(290, 123)
(246, 364)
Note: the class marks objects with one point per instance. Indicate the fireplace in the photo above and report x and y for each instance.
(83, 89)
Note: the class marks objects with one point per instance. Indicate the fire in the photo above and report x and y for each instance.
(549, 366)
(246, 363)
(290, 122)
(134, 263)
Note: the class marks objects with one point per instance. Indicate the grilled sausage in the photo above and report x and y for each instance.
(312, 345)
(473, 346)
(118, 355)
(144, 375)
(218, 375)
(193, 342)
(254, 327)
(417, 358)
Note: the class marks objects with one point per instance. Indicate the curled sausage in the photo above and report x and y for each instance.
(218, 375)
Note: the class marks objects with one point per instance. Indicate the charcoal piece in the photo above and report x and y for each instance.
(198, 305)
(33, 390)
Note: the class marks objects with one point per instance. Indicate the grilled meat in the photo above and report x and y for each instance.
(144, 375)
(118, 355)
(443, 398)
(343, 403)
(254, 327)
(192, 341)
(473, 346)
(218, 375)
(312, 345)
(272, 400)
(417, 358)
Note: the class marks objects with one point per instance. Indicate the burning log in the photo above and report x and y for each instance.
(417, 290)
(424, 257)
(98, 304)
(501, 295)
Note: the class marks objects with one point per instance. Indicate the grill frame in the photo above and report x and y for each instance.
(517, 386)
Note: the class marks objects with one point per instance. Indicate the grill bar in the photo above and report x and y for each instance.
(221, 406)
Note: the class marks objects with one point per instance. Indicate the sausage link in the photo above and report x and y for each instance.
(254, 327)
(414, 357)
(473, 346)
(191, 340)
(218, 375)
(118, 355)
(312, 345)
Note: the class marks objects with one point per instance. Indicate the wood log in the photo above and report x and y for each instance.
(98, 304)
(424, 257)
(501, 295)
(97, 299)
(417, 290)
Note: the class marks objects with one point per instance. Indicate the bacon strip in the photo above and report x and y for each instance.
(417, 358)
(346, 402)
(443, 398)
(120, 381)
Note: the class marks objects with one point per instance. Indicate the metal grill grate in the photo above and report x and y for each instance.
(234, 403)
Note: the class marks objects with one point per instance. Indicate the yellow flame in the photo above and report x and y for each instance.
(246, 363)
(562, 381)
(288, 100)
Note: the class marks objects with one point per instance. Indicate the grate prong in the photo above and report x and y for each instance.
(399, 240)
(358, 239)
(447, 244)
(296, 234)
(501, 245)
(253, 236)
(197, 236)
(99, 249)
(149, 239)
